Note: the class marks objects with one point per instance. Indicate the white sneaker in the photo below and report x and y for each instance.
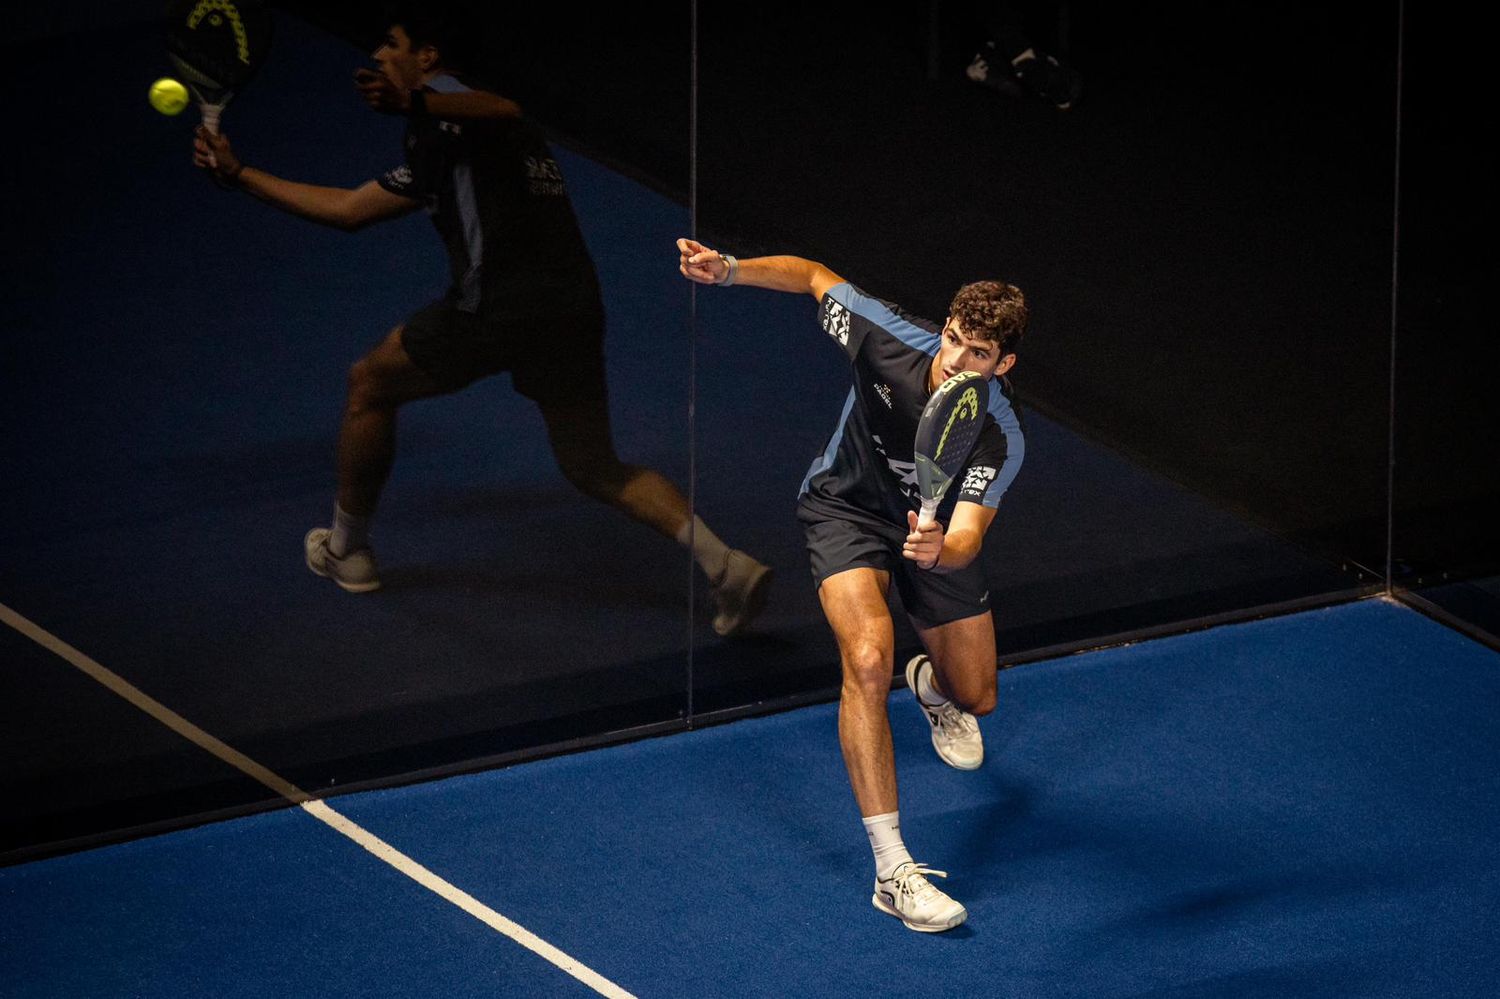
(955, 732)
(740, 592)
(917, 902)
(355, 572)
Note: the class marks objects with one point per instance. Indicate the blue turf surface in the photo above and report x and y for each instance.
(1301, 806)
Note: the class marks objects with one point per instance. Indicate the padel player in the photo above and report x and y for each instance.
(859, 507)
(524, 299)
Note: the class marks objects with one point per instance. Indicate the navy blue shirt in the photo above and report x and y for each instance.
(869, 462)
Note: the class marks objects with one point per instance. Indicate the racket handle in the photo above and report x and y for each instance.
(928, 512)
(211, 113)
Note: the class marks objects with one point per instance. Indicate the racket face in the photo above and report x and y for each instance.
(217, 45)
(950, 425)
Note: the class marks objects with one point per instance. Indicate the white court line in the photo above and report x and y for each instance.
(317, 809)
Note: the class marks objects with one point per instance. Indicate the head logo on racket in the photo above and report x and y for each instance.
(950, 425)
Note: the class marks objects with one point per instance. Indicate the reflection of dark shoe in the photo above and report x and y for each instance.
(1052, 81)
(739, 593)
(355, 572)
(988, 69)
(1038, 75)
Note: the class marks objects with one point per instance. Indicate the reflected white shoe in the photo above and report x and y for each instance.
(917, 902)
(955, 732)
(355, 572)
(740, 592)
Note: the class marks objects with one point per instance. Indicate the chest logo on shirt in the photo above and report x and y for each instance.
(978, 479)
(884, 391)
(904, 471)
(836, 321)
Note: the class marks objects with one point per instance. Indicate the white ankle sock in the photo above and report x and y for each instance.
(926, 692)
(708, 550)
(349, 534)
(885, 840)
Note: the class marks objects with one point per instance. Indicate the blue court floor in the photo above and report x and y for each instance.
(1301, 806)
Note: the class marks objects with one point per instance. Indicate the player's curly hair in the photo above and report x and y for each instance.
(993, 311)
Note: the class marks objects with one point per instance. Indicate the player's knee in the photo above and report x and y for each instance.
(977, 694)
(364, 385)
(600, 476)
(867, 669)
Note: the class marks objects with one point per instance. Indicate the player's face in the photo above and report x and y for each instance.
(400, 64)
(961, 352)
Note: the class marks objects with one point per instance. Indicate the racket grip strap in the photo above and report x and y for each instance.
(928, 513)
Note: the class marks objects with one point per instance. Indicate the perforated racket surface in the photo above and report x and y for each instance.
(946, 433)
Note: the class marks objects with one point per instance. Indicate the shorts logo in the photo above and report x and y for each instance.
(884, 391)
(836, 320)
(401, 176)
(978, 479)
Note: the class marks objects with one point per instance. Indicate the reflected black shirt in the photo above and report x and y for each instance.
(497, 198)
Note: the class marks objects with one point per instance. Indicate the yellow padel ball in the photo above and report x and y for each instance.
(168, 96)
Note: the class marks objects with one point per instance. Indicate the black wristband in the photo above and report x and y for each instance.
(417, 106)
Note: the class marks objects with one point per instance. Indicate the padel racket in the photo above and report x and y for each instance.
(950, 425)
(217, 45)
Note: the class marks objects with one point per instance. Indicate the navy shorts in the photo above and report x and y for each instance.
(550, 358)
(850, 538)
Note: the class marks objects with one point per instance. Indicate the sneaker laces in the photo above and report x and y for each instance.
(911, 881)
(953, 721)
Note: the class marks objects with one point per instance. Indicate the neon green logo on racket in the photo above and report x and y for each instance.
(968, 407)
(229, 10)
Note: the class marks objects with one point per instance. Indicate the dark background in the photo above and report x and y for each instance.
(1206, 240)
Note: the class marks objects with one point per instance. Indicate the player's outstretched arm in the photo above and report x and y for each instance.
(794, 274)
(384, 96)
(339, 207)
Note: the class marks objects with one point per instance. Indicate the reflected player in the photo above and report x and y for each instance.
(859, 507)
(524, 298)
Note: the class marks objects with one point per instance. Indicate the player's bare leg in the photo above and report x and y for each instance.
(854, 603)
(954, 683)
(585, 452)
(963, 659)
(379, 384)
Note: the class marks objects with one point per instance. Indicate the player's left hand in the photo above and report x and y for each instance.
(924, 544)
(380, 93)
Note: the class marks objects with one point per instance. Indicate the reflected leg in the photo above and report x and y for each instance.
(379, 384)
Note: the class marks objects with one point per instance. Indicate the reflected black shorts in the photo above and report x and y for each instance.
(556, 358)
(850, 538)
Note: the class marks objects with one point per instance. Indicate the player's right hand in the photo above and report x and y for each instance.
(213, 153)
(698, 263)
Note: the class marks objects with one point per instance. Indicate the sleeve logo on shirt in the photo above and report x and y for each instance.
(978, 479)
(401, 176)
(836, 320)
(544, 176)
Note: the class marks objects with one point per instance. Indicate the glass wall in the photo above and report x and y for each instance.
(1197, 204)
(1204, 240)
(196, 377)
(1445, 536)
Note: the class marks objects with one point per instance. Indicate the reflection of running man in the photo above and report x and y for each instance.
(859, 510)
(524, 299)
